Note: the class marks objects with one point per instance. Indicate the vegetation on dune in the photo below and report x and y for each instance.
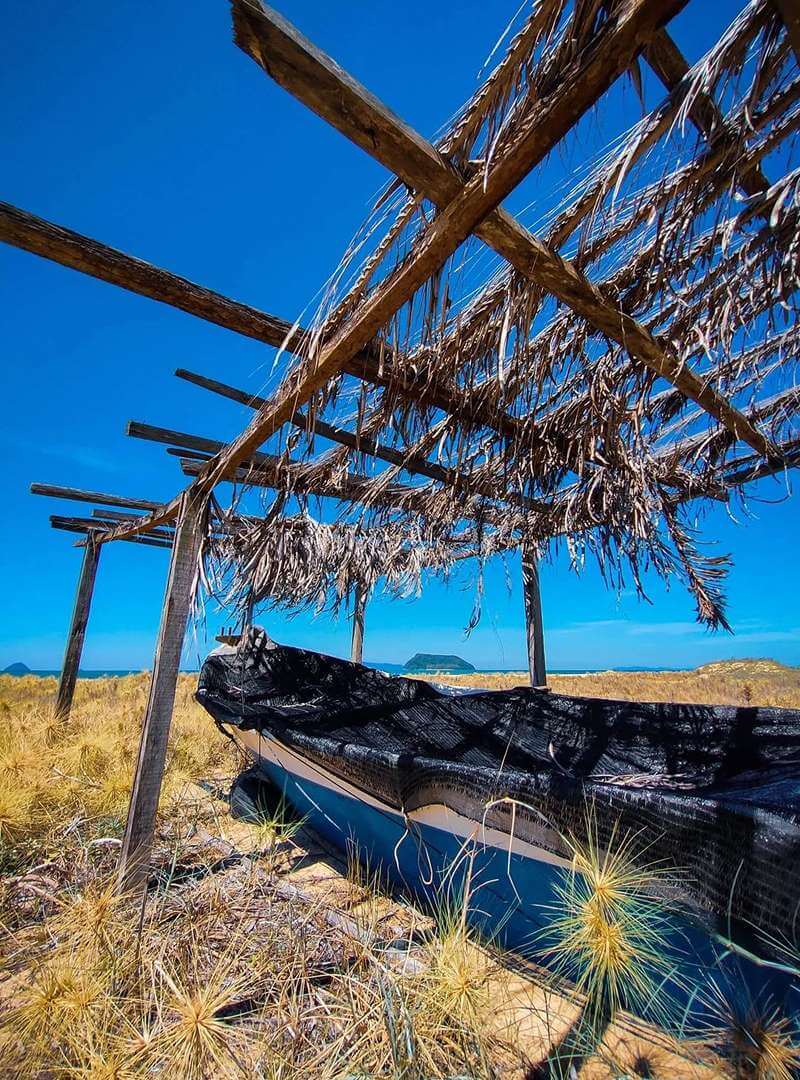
(725, 682)
(254, 956)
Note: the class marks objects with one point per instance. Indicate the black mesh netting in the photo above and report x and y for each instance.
(713, 791)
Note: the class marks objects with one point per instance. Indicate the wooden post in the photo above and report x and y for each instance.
(77, 630)
(138, 840)
(533, 618)
(359, 607)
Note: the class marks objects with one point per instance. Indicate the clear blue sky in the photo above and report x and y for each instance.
(143, 126)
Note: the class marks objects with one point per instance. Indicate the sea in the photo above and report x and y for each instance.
(392, 669)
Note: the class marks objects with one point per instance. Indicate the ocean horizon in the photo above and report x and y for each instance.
(392, 669)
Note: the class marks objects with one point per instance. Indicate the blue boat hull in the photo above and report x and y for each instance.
(511, 896)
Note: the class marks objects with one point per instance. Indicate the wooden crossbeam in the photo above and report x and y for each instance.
(68, 248)
(671, 67)
(362, 444)
(78, 252)
(100, 497)
(64, 524)
(359, 443)
(324, 87)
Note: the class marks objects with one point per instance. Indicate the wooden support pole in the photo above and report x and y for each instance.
(77, 629)
(137, 843)
(359, 608)
(533, 618)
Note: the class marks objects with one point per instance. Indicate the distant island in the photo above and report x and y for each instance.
(16, 669)
(434, 663)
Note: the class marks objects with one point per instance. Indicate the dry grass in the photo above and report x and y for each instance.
(730, 682)
(256, 954)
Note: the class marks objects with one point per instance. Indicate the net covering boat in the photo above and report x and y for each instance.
(410, 772)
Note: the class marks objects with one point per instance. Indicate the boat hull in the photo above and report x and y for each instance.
(450, 863)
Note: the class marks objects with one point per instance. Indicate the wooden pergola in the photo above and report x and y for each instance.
(623, 363)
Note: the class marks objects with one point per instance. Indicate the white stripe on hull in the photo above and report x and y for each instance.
(437, 815)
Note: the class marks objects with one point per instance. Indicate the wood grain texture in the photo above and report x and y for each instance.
(534, 627)
(137, 843)
(77, 628)
(333, 94)
(102, 498)
(34, 234)
(68, 525)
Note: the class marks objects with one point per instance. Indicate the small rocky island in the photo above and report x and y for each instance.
(16, 669)
(437, 664)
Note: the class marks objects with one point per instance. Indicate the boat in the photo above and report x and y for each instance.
(441, 789)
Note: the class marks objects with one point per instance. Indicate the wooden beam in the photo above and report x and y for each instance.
(67, 525)
(137, 843)
(362, 444)
(789, 11)
(77, 628)
(463, 207)
(100, 497)
(317, 81)
(359, 609)
(34, 234)
(671, 67)
(534, 627)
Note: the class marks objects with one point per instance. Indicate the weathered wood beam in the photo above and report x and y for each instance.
(67, 525)
(671, 67)
(183, 439)
(137, 843)
(534, 627)
(77, 628)
(359, 609)
(353, 488)
(789, 11)
(71, 249)
(362, 444)
(312, 77)
(100, 497)
(34, 234)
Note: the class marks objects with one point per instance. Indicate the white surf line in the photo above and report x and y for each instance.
(436, 815)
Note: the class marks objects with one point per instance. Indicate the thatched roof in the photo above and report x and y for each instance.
(592, 380)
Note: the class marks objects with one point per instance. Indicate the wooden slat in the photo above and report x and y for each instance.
(100, 497)
(138, 839)
(324, 87)
(359, 443)
(77, 629)
(534, 627)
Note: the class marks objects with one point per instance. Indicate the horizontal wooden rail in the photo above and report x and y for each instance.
(100, 497)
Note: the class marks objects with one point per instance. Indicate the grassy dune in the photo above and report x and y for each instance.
(259, 953)
(728, 682)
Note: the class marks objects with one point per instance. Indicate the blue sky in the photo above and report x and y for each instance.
(143, 126)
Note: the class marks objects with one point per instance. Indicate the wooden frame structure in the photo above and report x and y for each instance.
(523, 466)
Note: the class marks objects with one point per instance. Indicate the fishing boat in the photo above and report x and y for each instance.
(488, 792)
